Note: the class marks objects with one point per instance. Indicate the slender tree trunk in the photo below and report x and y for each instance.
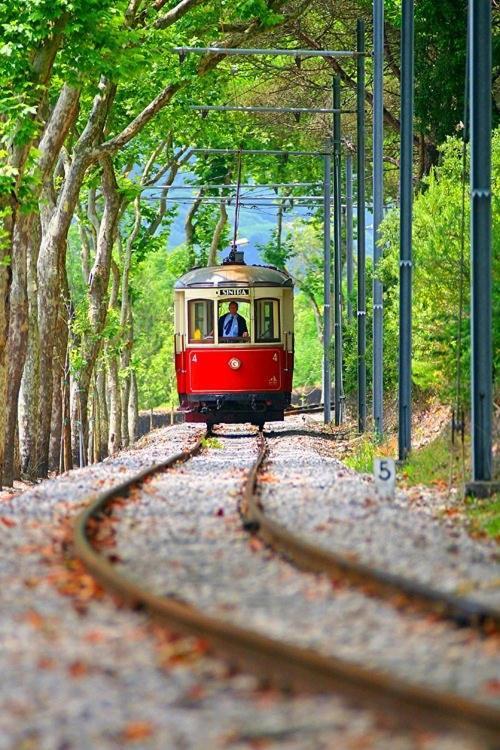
(30, 384)
(219, 229)
(67, 457)
(60, 359)
(125, 357)
(99, 281)
(97, 423)
(103, 411)
(56, 418)
(133, 409)
(76, 427)
(17, 341)
(115, 412)
(189, 227)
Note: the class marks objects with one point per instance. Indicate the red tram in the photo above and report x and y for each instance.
(234, 363)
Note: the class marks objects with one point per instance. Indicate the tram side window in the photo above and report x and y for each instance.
(267, 320)
(201, 321)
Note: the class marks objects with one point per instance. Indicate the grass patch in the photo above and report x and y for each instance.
(365, 450)
(211, 442)
(484, 515)
(438, 464)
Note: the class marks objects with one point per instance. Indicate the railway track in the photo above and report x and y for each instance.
(461, 610)
(287, 665)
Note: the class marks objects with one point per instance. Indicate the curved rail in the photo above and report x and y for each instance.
(285, 665)
(303, 410)
(314, 558)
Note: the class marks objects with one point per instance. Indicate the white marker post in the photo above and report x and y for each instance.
(384, 470)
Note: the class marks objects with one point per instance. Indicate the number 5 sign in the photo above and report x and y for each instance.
(385, 476)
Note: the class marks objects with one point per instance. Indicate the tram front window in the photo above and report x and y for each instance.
(234, 322)
(201, 321)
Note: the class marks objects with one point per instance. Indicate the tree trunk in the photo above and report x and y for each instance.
(115, 398)
(189, 227)
(66, 455)
(133, 409)
(17, 341)
(103, 411)
(115, 412)
(60, 359)
(97, 424)
(52, 252)
(219, 229)
(99, 281)
(52, 255)
(30, 384)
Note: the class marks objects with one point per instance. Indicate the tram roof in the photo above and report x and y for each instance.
(233, 275)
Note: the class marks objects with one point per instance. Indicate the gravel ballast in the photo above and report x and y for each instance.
(184, 537)
(80, 672)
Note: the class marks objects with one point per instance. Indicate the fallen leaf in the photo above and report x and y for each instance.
(7, 522)
(34, 618)
(77, 669)
(137, 730)
(492, 686)
(255, 544)
(45, 662)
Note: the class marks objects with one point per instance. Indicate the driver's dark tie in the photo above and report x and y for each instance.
(227, 326)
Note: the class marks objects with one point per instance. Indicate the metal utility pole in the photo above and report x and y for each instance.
(348, 232)
(480, 186)
(405, 231)
(378, 212)
(337, 280)
(361, 226)
(327, 378)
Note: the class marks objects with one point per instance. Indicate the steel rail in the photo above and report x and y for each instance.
(312, 557)
(303, 410)
(284, 664)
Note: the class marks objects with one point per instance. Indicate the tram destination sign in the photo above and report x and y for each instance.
(233, 292)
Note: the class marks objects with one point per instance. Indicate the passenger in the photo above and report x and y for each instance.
(232, 325)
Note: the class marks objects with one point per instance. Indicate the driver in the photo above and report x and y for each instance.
(232, 325)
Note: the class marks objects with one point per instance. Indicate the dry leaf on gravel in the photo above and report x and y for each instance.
(137, 730)
(78, 669)
(255, 544)
(7, 522)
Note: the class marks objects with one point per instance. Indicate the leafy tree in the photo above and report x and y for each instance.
(437, 239)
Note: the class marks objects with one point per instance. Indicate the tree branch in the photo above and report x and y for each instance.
(174, 14)
(208, 63)
(389, 118)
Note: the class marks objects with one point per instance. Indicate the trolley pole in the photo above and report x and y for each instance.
(480, 187)
(378, 209)
(348, 232)
(327, 380)
(337, 207)
(361, 225)
(405, 231)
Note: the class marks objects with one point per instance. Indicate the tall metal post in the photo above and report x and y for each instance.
(480, 185)
(348, 233)
(327, 256)
(378, 209)
(405, 231)
(337, 237)
(361, 226)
